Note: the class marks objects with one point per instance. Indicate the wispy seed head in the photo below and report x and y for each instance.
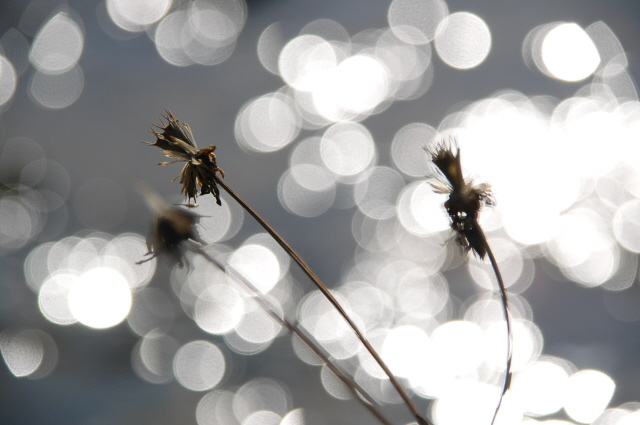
(176, 141)
(465, 199)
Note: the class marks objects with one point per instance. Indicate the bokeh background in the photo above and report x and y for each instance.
(319, 111)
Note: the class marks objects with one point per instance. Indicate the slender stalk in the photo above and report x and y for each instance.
(357, 390)
(505, 309)
(325, 291)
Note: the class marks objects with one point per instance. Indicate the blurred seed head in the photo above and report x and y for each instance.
(172, 226)
(176, 141)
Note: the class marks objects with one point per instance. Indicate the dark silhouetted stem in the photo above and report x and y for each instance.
(325, 291)
(268, 308)
(505, 309)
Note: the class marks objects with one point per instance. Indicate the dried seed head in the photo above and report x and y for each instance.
(171, 227)
(465, 199)
(176, 141)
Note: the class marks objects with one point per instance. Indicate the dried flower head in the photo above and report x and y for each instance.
(465, 199)
(176, 141)
(171, 227)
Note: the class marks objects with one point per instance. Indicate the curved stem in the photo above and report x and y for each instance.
(325, 291)
(505, 309)
(358, 391)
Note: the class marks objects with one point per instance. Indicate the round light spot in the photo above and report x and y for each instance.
(568, 53)
(626, 225)
(258, 264)
(588, 394)
(57, 91)
(261, 394)
(100, 298)
(463, 40)
(333, 385)
(347, 148)
(58, 46)
(267, 123)
(22, 351)
(305, 60)
(8, 80)
(199, 365)
(219, 309)
(306, 190)
(53, 298)
(133, 15)
(406, 148)
(270, 44)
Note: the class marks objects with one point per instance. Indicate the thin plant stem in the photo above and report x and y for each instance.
(325, 291)
(507, 317)
(360, 394)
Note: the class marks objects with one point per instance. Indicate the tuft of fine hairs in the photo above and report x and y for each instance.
(176, 141)
(465, 198)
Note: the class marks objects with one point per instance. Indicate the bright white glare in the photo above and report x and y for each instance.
(569, 53)
(22, 351)
(8, 80)
(57, 91)
(477, 398)
(304, 60)
(357, 85)
(588, 394)
(258, 264)
(101, 298)
(58, 45)
(420, 209)
(268, 123)
(347, 149)
(459, 346)
(135, 15)
(219, 309)
(463, 40)
(199, 365)
(541, 388)
(415, 21)
(405, 349)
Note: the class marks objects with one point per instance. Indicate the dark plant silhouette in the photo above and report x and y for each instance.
(463, 207)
